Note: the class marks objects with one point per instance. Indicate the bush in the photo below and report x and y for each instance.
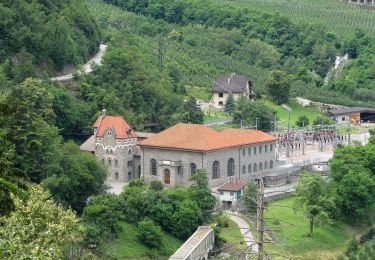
(156, 185)
(302, 121)
(149, 233)
(352, 247)
(136, 183)
(222, 220)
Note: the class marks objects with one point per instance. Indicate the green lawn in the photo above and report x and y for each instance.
(292, 231)
(127, 246)
(232, 235)
(297, 111)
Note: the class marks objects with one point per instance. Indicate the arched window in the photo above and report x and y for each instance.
(116, 163)
(215, 170)
(116, 175)
(193, 168)
(230, 167)
(260, 166)
(265, 165)
(153, 167)
(255, 167)
(106, 151)
(249, 168)
(111, 151)
(110, 162)
(244, 169)
(271, 164)
(129, 151)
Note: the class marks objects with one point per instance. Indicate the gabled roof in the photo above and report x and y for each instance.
(231, 83)
(117, 124)
(233, 185)
(202, 138)
(351, 110)
(88, 145)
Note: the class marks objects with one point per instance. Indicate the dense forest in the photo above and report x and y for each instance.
(44, 35)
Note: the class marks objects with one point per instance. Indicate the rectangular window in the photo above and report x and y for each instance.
(260, 149)
(130, 163)
(220, 103)
(248, 151)
(231, 193)
(255, 150)
(243, 152)
(266, 148)
(179, 169)
(271, 147)
(221, 94)
(221, 192)
(343, 119)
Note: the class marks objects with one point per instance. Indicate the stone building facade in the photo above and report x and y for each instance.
(173, 155)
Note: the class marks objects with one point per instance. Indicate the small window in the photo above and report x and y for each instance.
(243, 169)
(260, 149)
(249, 168)
(106, 151)
(248, 151)
(243, 152)
(260, 166)
(193, 168)
(271, 147)
(265, 165)
(215, 170)
(221, 192)
(116, 175)
(255, 167)
(109, 133)
(111, 151)
(129, 151)
(116, 163)
(343, 119)
(109, 162)
(220, 103)
(130, 163)
(266, 148)
(271, 164)
(232, 193)
(103, 161)
(221, 95)
(179, 170)
(255, 150)
(153, 166)
(230, 167)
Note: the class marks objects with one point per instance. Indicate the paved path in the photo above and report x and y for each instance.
(245, 231)
(97, 59)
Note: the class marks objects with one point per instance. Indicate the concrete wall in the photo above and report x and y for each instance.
(173, 159)
(109, 149)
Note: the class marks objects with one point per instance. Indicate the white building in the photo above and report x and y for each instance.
(231, 192)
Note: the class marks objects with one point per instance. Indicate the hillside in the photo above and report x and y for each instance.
(41, 36)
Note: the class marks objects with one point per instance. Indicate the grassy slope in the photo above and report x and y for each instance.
(232, 235)
(297, 111)
(327, 241)
(337, 16)
(127, 246)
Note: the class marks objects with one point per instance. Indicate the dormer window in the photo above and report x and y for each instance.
(109, 133)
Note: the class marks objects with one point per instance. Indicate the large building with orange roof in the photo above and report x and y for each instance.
(172, 155)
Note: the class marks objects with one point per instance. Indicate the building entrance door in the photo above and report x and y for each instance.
(167, 176)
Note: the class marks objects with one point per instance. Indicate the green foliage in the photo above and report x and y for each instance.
(229, 104)
(249, 198)
(50, 34)
(352, 247)
(322, 120)
(79, 177)
(312, 194)
(38, 228)
(136, 183)
(149, 233)
(185, 219)
(302, 121)
(222, 220)
(192, 113)
(352, 174)
(156, 185)
(251, 112)
(278, 86)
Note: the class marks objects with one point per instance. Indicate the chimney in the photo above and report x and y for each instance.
(230, 77)
(104, 113)
(129, 132)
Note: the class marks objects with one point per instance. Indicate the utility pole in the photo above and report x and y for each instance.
(349, 139)
(256, 123)
(161, 52)
(288, 138)
(274, 125)
(303, 138)
(260, 219)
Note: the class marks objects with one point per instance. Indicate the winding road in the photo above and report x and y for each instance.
(97, 59)
(245, 231)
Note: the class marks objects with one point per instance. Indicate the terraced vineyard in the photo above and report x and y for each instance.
(337, 16)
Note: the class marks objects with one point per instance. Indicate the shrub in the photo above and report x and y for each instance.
(352, 247)
(149, 233)
(136, 183)
(156, 185)
(222, 220)
(302, 121)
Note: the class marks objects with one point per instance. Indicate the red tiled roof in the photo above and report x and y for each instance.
(235, 185)
(116, 123)
(202, 138)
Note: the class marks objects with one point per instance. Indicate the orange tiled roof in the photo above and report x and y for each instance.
(234, 185)
(202, 138)
(116, 123)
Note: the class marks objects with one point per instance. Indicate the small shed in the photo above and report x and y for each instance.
(231, 192)
(353, 115)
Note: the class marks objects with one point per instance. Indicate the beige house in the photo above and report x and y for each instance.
(236, 84)
(174, 154)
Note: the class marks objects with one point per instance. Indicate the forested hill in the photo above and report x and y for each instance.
(310, 43)
(44, 35)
